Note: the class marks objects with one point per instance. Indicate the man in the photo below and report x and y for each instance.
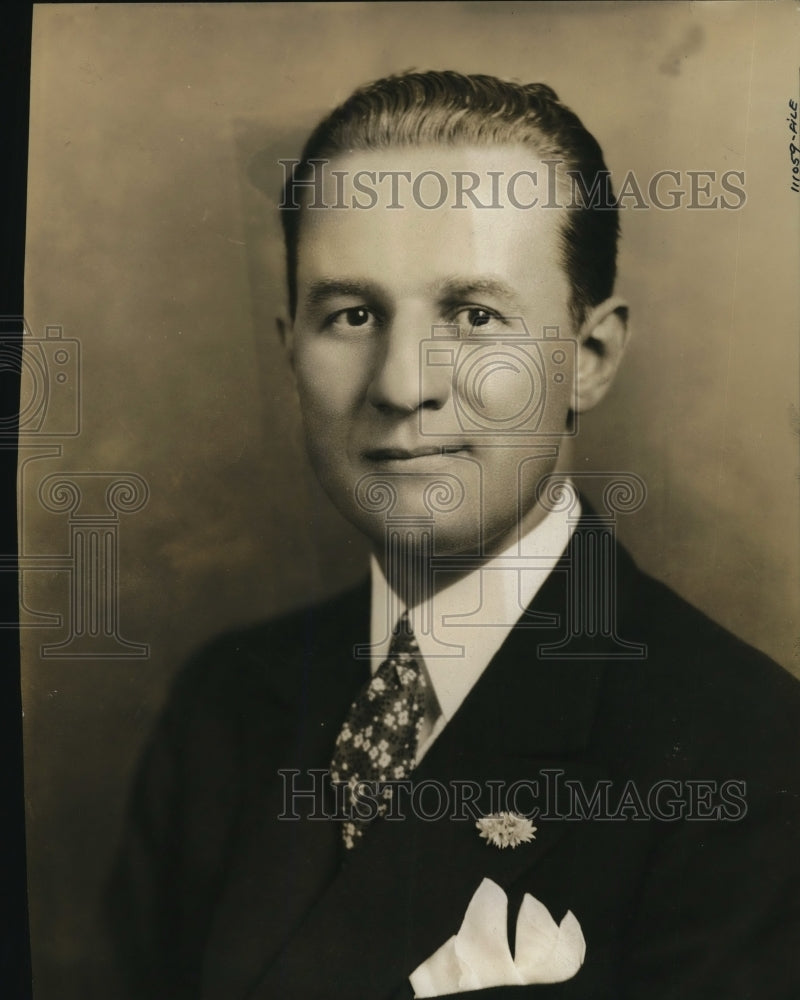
(587, 743)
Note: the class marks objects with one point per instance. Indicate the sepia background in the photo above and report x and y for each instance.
(155, 131)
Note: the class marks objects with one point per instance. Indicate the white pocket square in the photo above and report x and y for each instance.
(479, 956)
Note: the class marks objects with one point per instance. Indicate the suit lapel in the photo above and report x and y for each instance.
(279, 867)
(405, 890)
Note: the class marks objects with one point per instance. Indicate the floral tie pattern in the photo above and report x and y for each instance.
(378, 741)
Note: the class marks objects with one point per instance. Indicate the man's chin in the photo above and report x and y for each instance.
(413, 538)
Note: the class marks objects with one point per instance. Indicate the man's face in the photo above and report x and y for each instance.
(392, 403)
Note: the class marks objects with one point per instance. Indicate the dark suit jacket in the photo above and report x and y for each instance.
(214, 897)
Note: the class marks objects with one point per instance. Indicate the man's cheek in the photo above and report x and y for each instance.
(326, 392)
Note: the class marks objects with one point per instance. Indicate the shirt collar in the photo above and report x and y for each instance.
(460, 629)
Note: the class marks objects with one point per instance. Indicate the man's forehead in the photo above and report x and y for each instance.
(425, 214)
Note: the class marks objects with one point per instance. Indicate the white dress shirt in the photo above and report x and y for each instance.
(460, 628)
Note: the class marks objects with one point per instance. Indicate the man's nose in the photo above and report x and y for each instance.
(402, 381)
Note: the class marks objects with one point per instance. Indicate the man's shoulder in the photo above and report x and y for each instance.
(719, 695)
(267, 658)
(684, 639)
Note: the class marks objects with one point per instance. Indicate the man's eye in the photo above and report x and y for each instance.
(358, 317)
(476, 318)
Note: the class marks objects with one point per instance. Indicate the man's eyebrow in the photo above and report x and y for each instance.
(460, 288)
(323, 289)
(449, 290)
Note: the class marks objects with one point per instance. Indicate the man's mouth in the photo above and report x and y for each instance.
(408, 454)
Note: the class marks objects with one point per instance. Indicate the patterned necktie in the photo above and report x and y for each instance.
(379, 738)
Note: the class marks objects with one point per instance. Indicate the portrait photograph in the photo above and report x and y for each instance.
(407, 501)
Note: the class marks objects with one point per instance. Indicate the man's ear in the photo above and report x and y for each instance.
(601, 343)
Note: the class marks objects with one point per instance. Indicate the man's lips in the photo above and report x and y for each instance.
(407, 454)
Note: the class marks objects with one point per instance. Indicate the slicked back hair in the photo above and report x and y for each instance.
(446, 108)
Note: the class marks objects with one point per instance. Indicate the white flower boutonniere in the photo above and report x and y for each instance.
(506, 829)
